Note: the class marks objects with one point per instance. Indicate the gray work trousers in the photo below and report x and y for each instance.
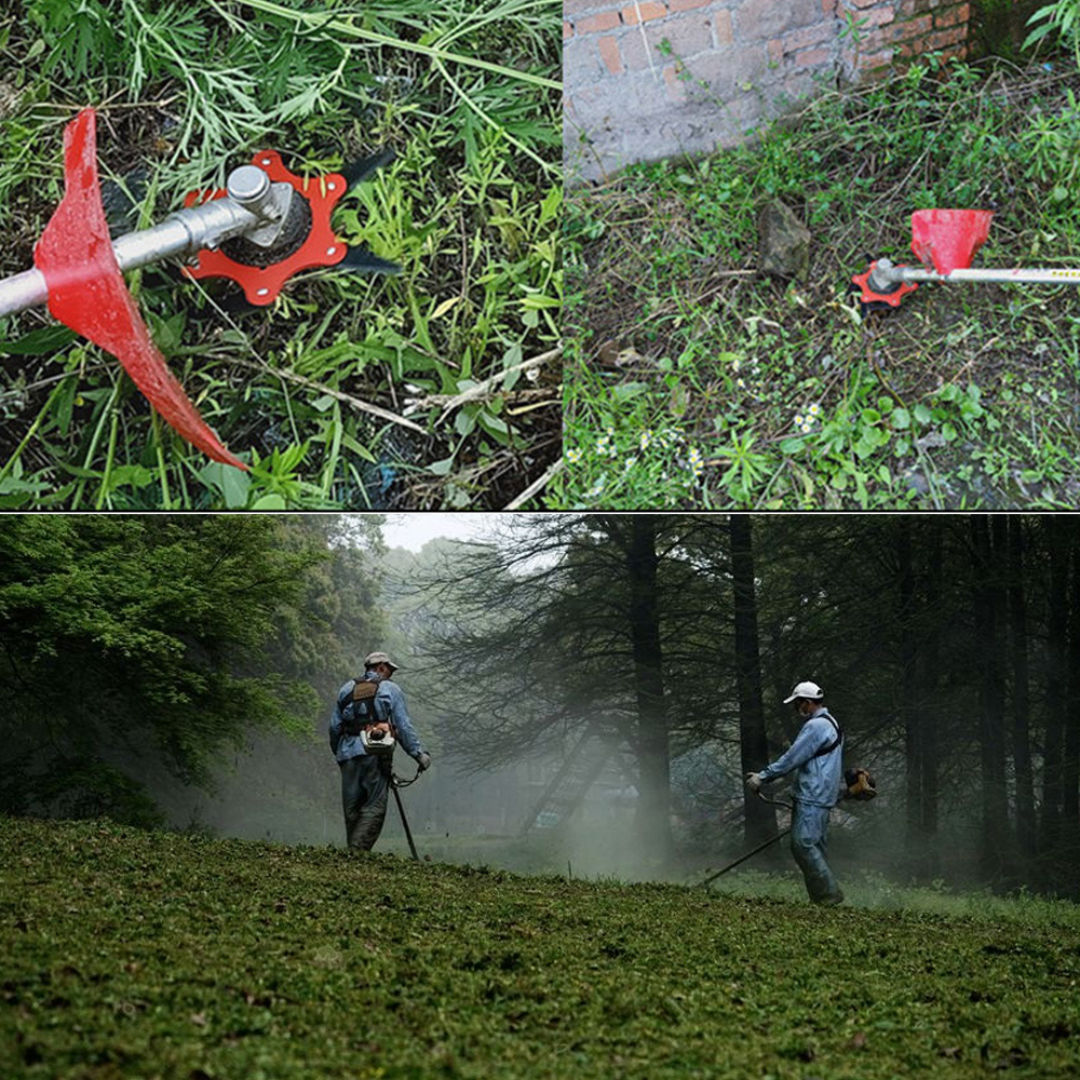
(365, 789)
(809, 828)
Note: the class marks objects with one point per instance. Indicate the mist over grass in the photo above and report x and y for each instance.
(133, 953)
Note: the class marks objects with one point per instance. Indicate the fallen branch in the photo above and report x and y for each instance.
(536, 486)
(481, 389)
(348, 399)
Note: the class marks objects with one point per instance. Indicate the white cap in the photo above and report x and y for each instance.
(805, 690)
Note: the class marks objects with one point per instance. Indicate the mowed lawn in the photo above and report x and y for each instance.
(154, 954)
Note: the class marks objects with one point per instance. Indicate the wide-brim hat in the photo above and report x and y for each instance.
(379, 658)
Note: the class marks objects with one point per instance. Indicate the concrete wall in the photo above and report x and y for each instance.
(647, 79)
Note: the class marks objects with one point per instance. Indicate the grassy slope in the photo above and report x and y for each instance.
(159, 955)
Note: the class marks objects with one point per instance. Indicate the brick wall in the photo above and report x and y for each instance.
(646, 79)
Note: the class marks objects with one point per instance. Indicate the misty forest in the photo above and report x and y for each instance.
(176, 894)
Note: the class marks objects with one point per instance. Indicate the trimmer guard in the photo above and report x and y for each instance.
(948, 240)
(87, 291)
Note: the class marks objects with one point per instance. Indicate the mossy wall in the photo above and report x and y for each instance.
(998, 27)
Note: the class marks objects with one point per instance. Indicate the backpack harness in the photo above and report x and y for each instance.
(360, 717)
(829, 747)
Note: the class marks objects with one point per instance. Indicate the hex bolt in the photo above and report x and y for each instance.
(250, 187)
(881, 280)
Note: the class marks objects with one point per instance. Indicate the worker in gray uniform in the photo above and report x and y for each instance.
(364, 728)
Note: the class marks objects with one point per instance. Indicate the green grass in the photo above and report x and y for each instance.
(696, 382)
(137, 954)
(467, 95)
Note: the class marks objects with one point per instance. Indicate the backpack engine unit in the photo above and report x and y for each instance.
(376, 736)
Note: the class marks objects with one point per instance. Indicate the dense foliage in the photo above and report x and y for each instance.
(150, 954)
(136, 649)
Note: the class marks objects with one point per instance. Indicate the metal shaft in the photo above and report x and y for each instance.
(404, 820)
(246, 207)
(749, 855)
(885, 274)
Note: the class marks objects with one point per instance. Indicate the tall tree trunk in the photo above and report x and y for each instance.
(1070, 765)
(1057, 706)
(995, 839)
(759, 817)
(1021, 697)
(654, 801)
(910, 707)
(929, 712)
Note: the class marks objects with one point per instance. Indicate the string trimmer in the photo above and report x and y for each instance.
(263, 227)
(859, 784)
(395, 783)
(945, 242)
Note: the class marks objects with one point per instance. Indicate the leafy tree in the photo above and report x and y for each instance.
(136, 642)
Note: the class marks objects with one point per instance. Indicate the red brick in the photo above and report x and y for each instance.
(687, 5)
(609, 53)
(649, 9)
(776, 51)
(864, 3)
(722, 28)
(944, 38)
(880, 39)
(879, 17)
(875, 61)
(812, 58)
(810, 35)
(953, 17)
(915, 27)
(828, 8)
(593, 24)
(567, 30)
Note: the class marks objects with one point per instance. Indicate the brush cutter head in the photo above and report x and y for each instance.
(948, 240)
(877, 298)
(942, 240)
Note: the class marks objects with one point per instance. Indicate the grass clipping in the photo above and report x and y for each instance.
(698, 382)
(132, 953)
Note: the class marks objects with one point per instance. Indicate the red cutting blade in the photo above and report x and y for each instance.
(88, 294)
(261, 285)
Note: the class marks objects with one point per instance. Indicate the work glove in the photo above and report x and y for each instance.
(424, 761)
(754, 782)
